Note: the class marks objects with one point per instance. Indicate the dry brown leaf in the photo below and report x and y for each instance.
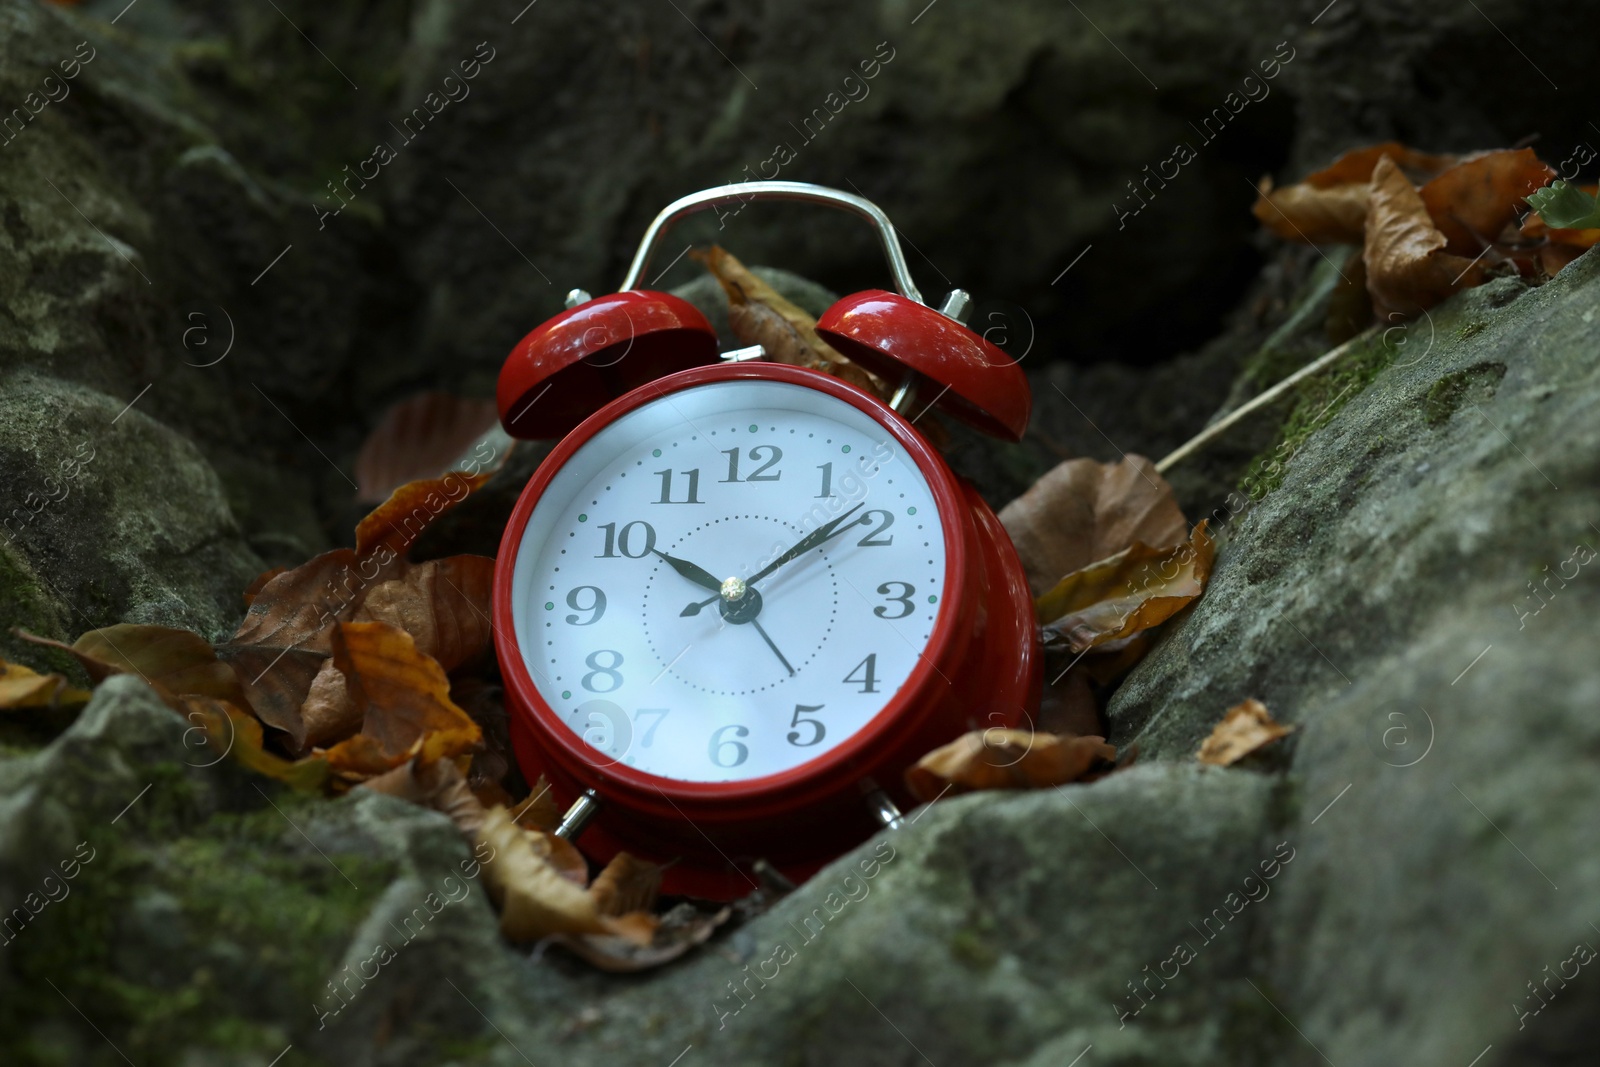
(678, 931)
(328, 713)
(535, 899)
(1005, 759)
(439, 785)
(1474, 200)
(1313, 215)
(1128, 592)
(539, 810)
(21, 687)
(759, 315)
(443, 604)
(398, 522)
(297, 608)
(285, 638)
(417, 438)
(404, 698)
(1245, 728)
(1083, 511)
(359, 758)
(754, 323)
(236, 734)
(627, 884)
(172, 661)
(1408, 269)
(1330, 206)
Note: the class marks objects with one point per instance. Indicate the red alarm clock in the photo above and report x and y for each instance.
(739, 598)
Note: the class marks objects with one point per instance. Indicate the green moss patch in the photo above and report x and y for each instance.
(1316, 401)
(1472, 384)
(163, 941)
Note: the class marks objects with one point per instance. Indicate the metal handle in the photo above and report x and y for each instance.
(802, 191)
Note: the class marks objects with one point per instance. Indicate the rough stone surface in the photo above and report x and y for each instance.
(123, 513)
(1403, 598)
(1438, 795)
(208, 909)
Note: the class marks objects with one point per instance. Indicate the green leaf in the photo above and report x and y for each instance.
(1566, 207)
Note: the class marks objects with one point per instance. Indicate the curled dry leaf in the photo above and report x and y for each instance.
(1313, 215)
(443, 604)
(1330, 206)
(418, 438)
(404, 698)
(1126, 593)
(1083, 511)
(539, 810)
(1005, 759)
(230, 733)
(21, 687)
(1408, 267)
(442, 786)
(759, 315)
(285, 638)
(1245, 728)
(626, 884)
(535, 899)
(172, 661)
(399, 521)
(328, 714)
(678, 931)
(1474, 200)
(437, 784)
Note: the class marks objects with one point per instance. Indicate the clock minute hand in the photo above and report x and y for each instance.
(811, 540)
(806, 544)
(696, 574)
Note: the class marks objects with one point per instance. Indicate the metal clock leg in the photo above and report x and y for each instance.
(577, 817)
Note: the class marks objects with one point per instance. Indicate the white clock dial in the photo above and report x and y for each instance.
(672, 678)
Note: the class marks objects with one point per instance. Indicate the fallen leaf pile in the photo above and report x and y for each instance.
(1108, 555)
(352, 671)
(1430, 225)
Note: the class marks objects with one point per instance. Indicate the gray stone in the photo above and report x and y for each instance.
(120, 519)
(1436, 793)
(1382, 599)
(211, 913)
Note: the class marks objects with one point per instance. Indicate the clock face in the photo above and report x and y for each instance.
(626, 593)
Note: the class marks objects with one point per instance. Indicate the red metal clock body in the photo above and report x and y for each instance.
(977, 668)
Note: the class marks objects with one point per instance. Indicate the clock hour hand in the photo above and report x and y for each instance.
(698, 575)
(811, 540)
(822, 533)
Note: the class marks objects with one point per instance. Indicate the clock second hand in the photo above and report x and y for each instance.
(702, 577)
(781, 658)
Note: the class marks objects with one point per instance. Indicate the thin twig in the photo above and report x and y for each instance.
(1221, 426)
